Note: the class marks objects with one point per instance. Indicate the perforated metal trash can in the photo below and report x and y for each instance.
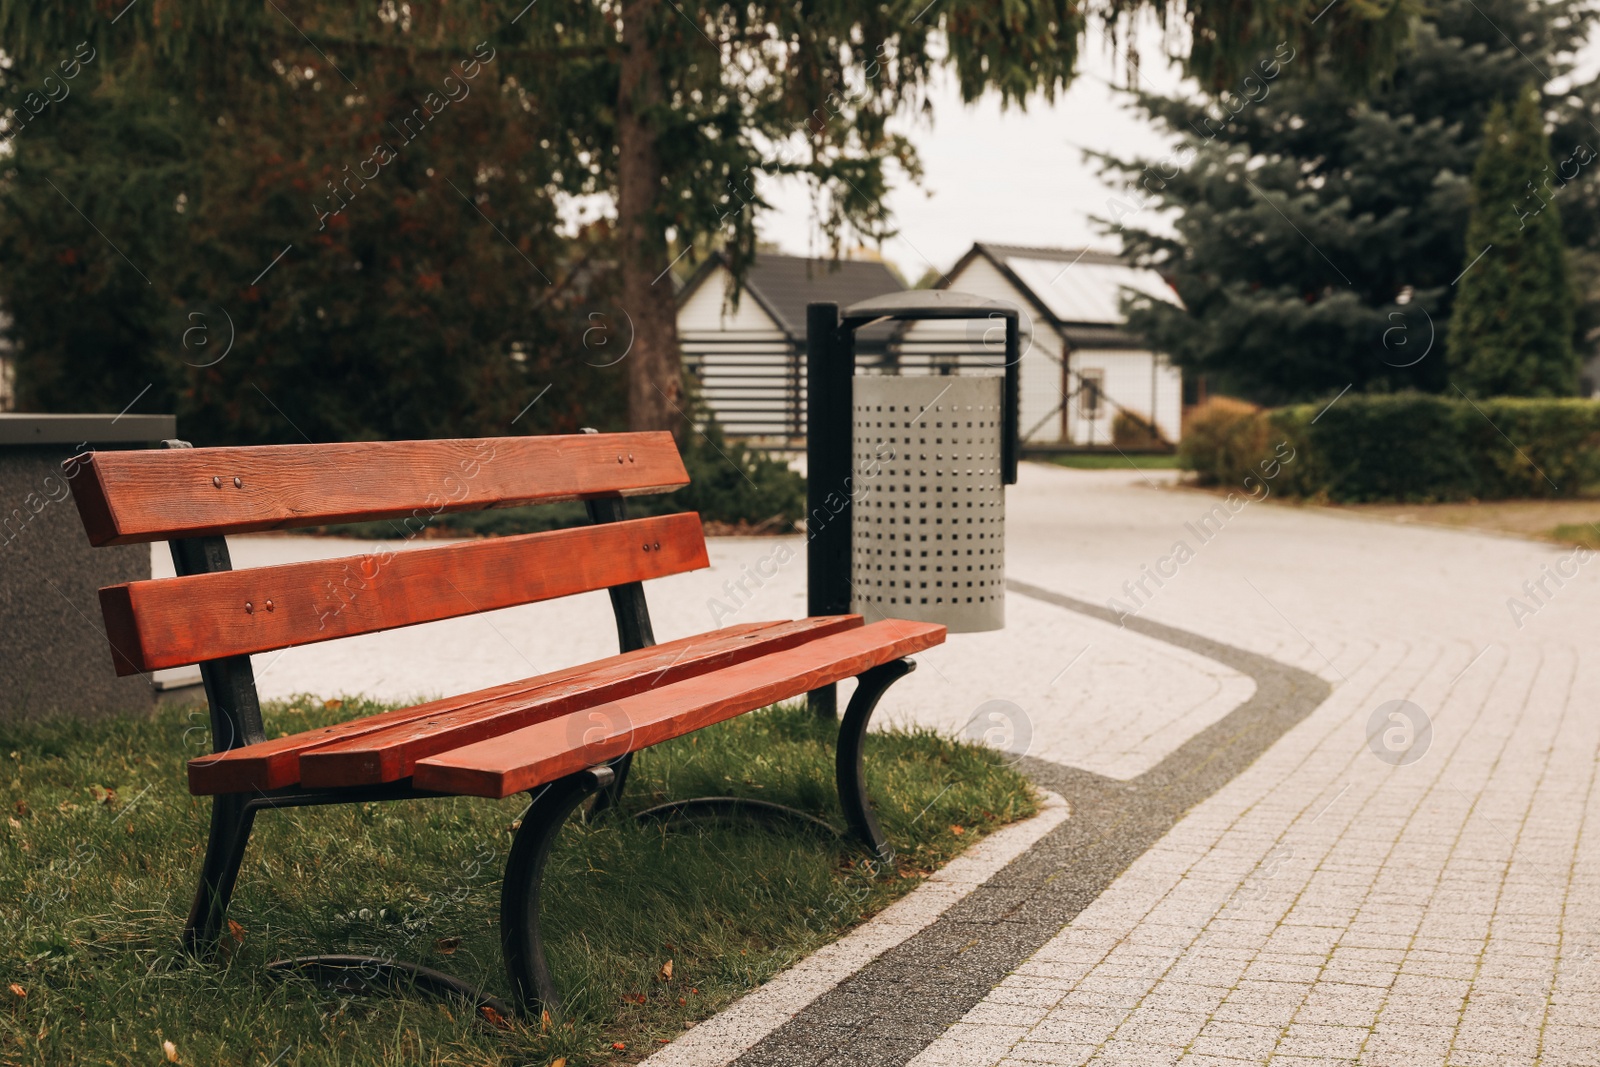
(929, 529)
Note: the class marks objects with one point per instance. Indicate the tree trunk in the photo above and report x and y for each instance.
(647, 294)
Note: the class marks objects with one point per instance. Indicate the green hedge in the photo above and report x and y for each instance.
(1406, 447)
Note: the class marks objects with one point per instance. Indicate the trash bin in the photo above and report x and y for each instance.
(889, 535)
(928, 523)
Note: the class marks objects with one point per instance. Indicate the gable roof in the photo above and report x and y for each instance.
(784, 285)
(1077, 290)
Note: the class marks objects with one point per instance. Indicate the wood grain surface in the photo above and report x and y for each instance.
(276, 763)
(546, 751)
(170, 622)
(127, 497)
(391, 754)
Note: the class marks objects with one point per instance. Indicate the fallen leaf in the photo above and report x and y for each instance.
(103, 794)
(18, 992)
(447, 945)
(682, 1002)
(333, 705)
(958, 831)
(130, 829)
(559, 1061)
(665, 973)
(171, 1051)
(236, 930)
(494, 1017)
(663, 1040)
(22, 807)
(618, 1045)
(544, 1021)
(633, 998)
(692, 989)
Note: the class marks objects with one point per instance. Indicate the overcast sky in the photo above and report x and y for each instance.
(1015, 177)
(1009, 176)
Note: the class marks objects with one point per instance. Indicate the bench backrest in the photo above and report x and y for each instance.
(193, 496)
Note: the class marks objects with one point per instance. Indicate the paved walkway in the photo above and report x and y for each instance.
(1347, 898)
(1268, 860)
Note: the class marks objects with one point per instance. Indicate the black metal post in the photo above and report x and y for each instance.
(1011, 425)
(830, 366)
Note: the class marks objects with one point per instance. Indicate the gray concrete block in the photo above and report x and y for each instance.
(54, 657)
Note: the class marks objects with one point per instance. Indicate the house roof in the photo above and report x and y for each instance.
(784, 285)
(1077, 290)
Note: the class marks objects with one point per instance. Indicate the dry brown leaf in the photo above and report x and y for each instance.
(494, 1017)
(958, 831)
(559, 1061)
(18, 992)
(236, 930)
(633, 998)
(447, 945)
(618, 1045)
(665, 973)
(333, 705)
(103, 794)
(22, 808)
(171, 1052)
(544, 1021)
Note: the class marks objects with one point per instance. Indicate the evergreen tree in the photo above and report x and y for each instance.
(1511, 334)
(1317, 230)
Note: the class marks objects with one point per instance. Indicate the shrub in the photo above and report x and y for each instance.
(1218, 440)
(1407, 447)
(731, 483)
(1131, 430)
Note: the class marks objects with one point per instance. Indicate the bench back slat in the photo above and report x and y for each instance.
(170, 622)
(137, 496)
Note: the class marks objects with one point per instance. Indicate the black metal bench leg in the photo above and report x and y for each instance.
(520, 938)
(232, 815)
(858, 813)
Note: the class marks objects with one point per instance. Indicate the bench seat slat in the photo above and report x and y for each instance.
(172, 622)
(391, 754)
(135, 496)
(535, 755)
(276, 763)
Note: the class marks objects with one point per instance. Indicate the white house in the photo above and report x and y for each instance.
(749, 357)
(1079, 366)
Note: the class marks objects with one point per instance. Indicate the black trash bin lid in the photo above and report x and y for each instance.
(926, 304)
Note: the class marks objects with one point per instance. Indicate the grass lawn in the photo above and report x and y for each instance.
(1586, 534)
(650, 929)
(1099, 461)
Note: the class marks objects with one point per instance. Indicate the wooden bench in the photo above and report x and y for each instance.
(562, 737)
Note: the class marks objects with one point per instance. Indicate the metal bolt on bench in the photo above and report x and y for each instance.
(562, 737)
